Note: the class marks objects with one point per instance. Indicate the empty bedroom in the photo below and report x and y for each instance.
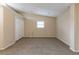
(39, 29)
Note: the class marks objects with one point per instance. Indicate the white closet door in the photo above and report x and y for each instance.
(19, 28)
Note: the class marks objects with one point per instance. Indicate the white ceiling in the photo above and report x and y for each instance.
(44, 9)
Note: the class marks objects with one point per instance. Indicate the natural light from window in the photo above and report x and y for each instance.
(40, 24)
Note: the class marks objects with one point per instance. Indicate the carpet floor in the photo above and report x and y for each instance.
(38, 46)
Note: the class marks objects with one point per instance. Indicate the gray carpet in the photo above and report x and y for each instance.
(38, 46)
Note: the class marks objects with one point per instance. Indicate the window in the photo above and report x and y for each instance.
(40, 24)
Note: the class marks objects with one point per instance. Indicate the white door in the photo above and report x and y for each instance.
(19, 30)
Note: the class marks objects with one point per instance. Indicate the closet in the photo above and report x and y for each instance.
(19, 27)
(11, 27)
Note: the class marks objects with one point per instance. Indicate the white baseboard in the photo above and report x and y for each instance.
(68, 45)
(63, 41)
(74, 50)
(8, 45)
(40, 36)
(3, 48)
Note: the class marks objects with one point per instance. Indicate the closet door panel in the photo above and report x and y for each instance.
(19, 28)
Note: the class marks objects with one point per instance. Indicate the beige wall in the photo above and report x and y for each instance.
(68, 27)
(69, 24)
(1, 26)
(76, 29)
(32, 31)
(9, 26)
(65, 26)
(72, 17)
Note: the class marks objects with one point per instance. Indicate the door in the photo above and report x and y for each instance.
(19, 28)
